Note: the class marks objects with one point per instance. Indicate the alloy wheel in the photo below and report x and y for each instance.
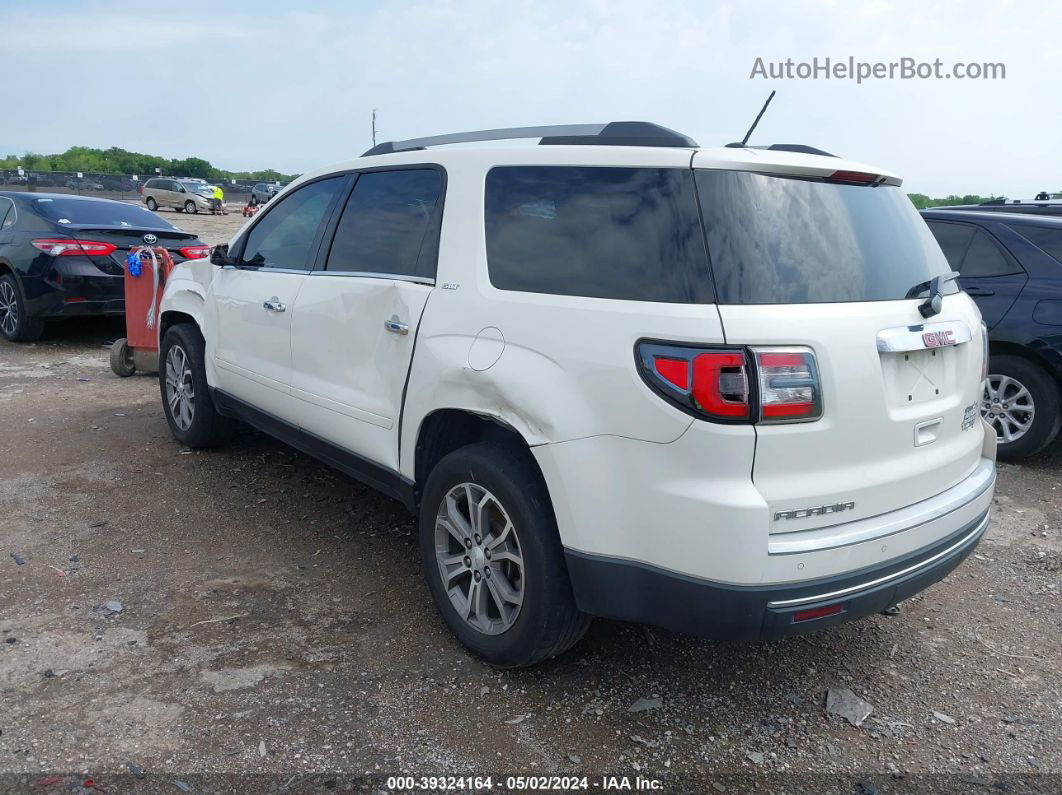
(1008, 407)
(479, 557)
(8, 308)
(180, 390)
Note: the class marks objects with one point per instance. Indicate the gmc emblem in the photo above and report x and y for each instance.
(936, 339)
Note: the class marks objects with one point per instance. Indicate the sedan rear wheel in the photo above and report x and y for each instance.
(15, 324)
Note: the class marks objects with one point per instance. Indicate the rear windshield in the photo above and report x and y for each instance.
(779, 240)
(1047, 238)
(104, 213)
(599, 232)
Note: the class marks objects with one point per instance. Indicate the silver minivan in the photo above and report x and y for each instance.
(191, 197)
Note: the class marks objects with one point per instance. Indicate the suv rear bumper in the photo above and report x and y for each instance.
(631, 591)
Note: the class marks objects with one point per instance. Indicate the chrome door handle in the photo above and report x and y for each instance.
(396, 326)
(273, 305)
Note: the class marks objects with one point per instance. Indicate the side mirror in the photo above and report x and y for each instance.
(219, 255)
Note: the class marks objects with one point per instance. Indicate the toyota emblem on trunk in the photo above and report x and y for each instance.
(150, 239)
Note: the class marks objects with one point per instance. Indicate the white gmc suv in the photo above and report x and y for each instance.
(731, 391)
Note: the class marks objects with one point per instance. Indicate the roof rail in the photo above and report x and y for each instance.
(801, 148)
(616, 133)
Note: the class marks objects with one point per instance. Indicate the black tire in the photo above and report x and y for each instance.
(1047, 418)
(548, 622)
(191, 207)
(15, 325)
(122, 358)
(207, 428)
(151, 204)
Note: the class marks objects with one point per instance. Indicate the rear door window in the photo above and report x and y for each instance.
(284, 237)
(783, 240)
(598, 232)
(389, 225)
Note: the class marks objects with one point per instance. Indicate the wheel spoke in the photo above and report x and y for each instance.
(453, 513)
(501, 538)
(477, 512)
(502, 589)
(447, 524)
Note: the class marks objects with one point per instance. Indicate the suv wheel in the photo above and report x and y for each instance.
(493, 559)
(191, 207)
(151, 204)
(15, 325)
(1021, 402)
(190, 411)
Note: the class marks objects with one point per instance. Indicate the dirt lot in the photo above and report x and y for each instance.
(273, 621)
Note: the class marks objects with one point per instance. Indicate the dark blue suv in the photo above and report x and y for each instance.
(1011, 265)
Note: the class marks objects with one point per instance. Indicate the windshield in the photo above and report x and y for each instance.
(198, 187)
(103, 213)
(780, 240)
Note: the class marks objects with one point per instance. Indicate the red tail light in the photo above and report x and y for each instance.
(73, 248)
(766, 385)
(855, 177)
(789, 385)
(195, 252)
(721, 384)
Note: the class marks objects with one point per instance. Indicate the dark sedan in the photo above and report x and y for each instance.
(1011, 265)
(63, 256)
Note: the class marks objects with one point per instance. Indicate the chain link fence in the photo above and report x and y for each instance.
(123, 187)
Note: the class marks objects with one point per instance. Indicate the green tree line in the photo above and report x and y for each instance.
(921, 201)
(119, 161)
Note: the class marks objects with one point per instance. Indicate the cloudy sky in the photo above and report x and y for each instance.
(291, 86)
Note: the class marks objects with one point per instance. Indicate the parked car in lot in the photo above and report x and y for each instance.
(64, 256)
(263, 192)
(188, 196)
(588, 418)
(1011, 265)
(80, 183)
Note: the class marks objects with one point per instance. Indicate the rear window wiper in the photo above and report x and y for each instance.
(936, 293)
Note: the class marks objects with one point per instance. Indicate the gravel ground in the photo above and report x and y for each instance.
(273, 621)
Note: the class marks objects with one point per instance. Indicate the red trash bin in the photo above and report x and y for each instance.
(139, 348)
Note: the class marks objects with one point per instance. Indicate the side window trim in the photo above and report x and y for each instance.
(237, 253)
(434, 230)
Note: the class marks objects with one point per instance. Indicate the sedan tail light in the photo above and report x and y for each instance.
(734, 385)
(73, 248)
(195, 252)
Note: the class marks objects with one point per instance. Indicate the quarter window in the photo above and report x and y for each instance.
(984, 258)
(1048, 239)
(598, 232)
(284, 236)
(389, 225)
